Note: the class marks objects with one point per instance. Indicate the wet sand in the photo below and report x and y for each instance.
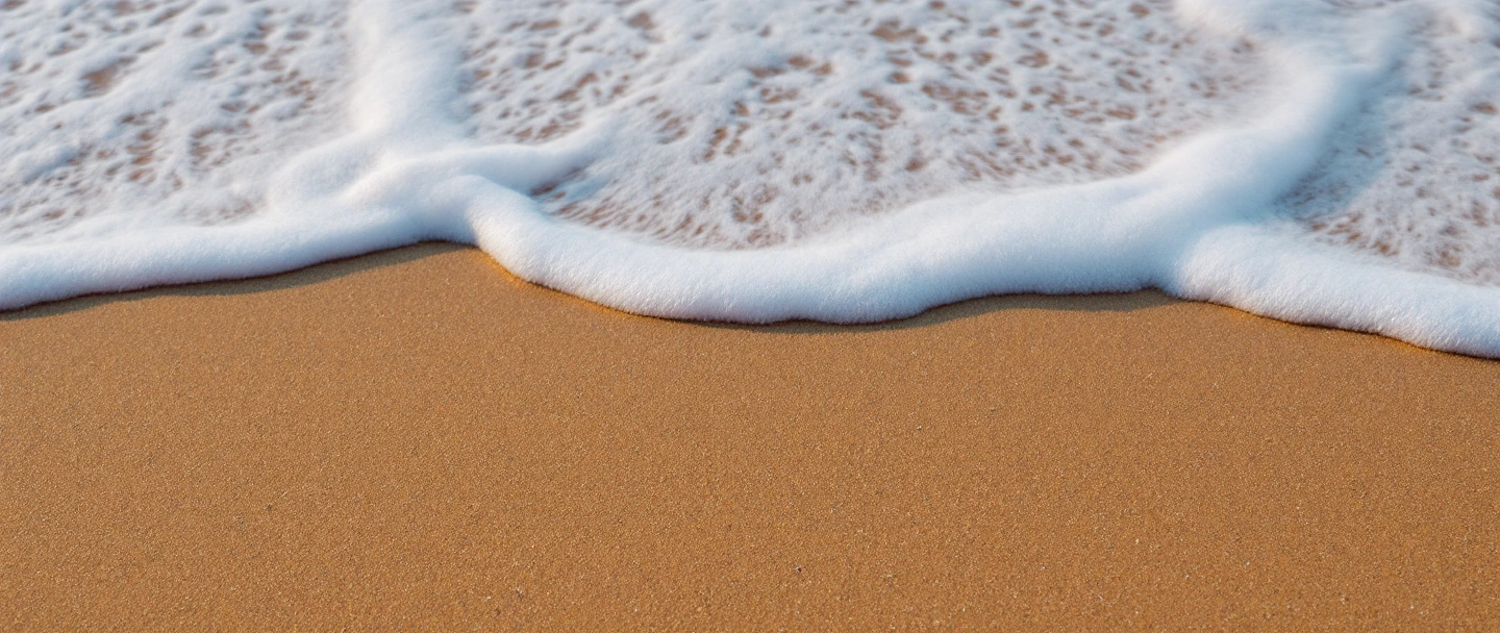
(415, 440)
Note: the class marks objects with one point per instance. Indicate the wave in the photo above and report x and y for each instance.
(1319, 162)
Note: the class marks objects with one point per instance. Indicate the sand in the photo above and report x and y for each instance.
(415, 440)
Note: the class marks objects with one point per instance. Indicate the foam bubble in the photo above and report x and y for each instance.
(755, 123)
(1415, 178)
(131, 115)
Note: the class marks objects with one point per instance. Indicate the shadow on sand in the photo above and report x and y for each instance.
(1114, 302)
(332, 270)
(315, 274)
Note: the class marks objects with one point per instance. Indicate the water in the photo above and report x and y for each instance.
(1327, 162)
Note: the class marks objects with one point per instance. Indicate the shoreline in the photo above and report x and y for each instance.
(415, 438)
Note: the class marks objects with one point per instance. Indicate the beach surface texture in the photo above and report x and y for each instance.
(749, 315)
(415, 440)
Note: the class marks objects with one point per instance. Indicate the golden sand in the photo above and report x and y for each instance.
(415, 440)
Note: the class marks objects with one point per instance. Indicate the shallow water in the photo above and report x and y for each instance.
(1329, 162)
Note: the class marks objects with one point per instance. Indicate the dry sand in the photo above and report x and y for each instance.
(415, 440)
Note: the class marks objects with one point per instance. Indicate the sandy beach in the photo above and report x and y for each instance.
(415, 440)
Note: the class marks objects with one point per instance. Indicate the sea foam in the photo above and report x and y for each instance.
(1321, 162)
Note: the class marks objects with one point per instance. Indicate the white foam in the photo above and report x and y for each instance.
(1250, 110)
